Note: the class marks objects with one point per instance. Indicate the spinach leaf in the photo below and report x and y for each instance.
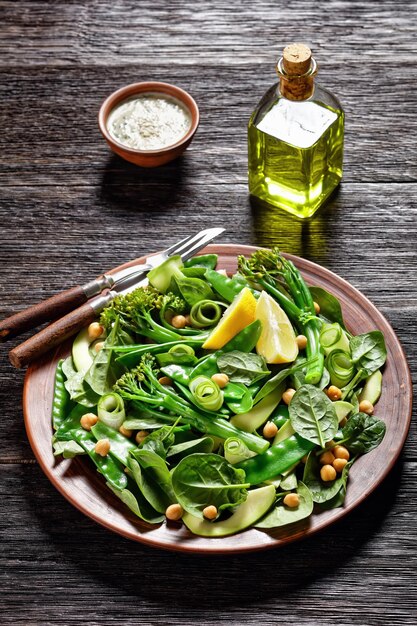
(323, 491)
(242, 367)
(101, 375)
(313, 415)
(362, 433)
(78, 389)
(200, 480)
(329, 305)
(153, 478)
(183, 449)
(368, 351)
(281, 515)
(159, 441)
(289, 482)
(192, 290)
(137, 504)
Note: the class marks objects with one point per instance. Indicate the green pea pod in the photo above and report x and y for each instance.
(194, 272)
(61, 403)
(228, 288)
(130, 356)
(120, 446)
(178, 373)
(71, 426)
(245, 341)
(209, 261)
(111, 469)
(275, 459)
(238, 398)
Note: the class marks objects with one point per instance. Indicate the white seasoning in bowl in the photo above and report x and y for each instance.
(149, 122)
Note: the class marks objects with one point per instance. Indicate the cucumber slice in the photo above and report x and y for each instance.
(342, 409)
(372, 389)
(160, 277)
(257, 416)
(258, 502)
(284, 432)
(81, 354)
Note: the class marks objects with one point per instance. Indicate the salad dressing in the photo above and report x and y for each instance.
(149, 122)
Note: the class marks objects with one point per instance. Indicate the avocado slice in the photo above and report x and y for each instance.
(372, 389)
(342, 409)
(253, 419)
(258, 502)
(81, 354)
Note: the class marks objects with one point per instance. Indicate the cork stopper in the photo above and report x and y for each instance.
(296, 70)
(296, 59)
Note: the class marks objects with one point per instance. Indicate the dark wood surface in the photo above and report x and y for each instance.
(70, 209)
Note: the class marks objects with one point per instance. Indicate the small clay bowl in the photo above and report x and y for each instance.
(149, 158)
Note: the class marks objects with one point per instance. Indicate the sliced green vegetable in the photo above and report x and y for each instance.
(257, 504)
(259, 414)
(340, 367)
(282, 515)
(81, 353)
(207, 393)
(372, 388)
(235, 450)
(160, 277)
(111, 410)
(61, 402)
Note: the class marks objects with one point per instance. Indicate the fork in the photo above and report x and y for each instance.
(122, 282)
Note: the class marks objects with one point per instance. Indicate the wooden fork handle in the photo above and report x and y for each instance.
(51, 336)
(50, 309)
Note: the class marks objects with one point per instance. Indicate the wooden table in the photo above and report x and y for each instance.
(70, 209)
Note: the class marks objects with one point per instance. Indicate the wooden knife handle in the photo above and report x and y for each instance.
(50, 309)
(52, 336)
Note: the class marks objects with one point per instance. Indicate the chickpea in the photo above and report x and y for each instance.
(327, 458)
(327, 473)
(98, 346)
(178, 321)
(94, 331)
(220, 379)
(339, 464)
(210, 512)
(125, 431)
(102, 447)
(287, 395)
(141, 435)
(188, 321)
(340, 452)
(301, 342)
(316, 307)
(334, 393)
(343, 422)
(292, 500)
(88, 420)
(164, 380)
(174, 512)
(269, 430)
(366, 407)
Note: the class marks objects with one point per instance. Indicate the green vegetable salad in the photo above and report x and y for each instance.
(221, 439)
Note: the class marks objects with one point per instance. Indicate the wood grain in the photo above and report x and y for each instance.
(69, 210)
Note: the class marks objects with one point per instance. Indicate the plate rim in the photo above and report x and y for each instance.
(213, 546)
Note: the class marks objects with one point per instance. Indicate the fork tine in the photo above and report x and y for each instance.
(176, 245)
(197, 242)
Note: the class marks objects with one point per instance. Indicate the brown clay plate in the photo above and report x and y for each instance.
(79, 482)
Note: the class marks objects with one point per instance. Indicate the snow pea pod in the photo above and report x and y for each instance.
(111, 469)
(178, 373)
(209, 261)
(120, 446)
(228, 288)
(130, 356)
(245, 341)
(275, 459)
(71, 426)
(61, 403)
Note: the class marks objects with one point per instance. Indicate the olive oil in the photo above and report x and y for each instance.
(295, 140)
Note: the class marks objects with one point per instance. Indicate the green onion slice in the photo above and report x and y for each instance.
(111, 410)
(207, 393)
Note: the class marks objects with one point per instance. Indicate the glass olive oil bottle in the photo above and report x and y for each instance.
(295, 138)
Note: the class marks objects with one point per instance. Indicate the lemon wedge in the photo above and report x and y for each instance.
(277, 343)
(236, 317)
